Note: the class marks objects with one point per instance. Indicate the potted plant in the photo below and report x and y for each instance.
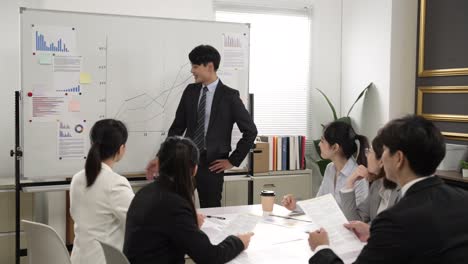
(464, 166)
(322, 163)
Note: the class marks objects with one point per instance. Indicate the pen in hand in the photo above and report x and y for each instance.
(216, 217)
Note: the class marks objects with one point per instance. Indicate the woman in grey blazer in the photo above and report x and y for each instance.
(382, 193)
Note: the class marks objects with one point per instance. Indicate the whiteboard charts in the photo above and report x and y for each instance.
(78, 68)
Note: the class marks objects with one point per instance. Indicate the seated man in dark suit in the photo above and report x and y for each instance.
(430, 222)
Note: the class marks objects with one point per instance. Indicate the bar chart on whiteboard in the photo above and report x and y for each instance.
(55, 39)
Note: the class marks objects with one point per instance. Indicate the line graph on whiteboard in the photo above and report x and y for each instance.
(152, 110)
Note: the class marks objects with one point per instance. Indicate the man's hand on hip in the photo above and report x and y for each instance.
(220, 165)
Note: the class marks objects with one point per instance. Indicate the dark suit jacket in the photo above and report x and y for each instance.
(428, 225)
(227, 109)
(161, 229)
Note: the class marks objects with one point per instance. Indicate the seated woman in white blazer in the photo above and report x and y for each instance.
(383, 193)
(99, 197)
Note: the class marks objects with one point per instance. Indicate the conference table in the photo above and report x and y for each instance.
(279, 237)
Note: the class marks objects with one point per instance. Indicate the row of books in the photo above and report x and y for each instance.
(286, 152)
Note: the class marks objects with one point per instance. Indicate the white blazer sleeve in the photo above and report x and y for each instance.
(121, 195)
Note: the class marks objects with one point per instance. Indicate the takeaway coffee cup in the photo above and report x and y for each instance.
(268, 200)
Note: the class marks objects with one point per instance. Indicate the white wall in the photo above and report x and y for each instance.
(50, 208)
(379, 46)
(186, 9)
(276, 4)
(9, 82)
(325, 68)
(403, 58)
(366, 58)
(325, 63)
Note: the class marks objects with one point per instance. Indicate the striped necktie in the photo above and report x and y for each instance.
(199, 136)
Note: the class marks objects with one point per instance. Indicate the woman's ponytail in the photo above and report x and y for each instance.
(361, 158)
(107, 136)
(352, 144)
(93, 164)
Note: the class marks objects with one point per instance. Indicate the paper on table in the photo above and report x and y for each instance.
(267, 235)
(325, 212)
(292, 252)
(290, 222)
(241, 224)
(212, 227)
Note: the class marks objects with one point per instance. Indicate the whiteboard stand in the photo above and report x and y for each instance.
(18, 154)
(251, 153)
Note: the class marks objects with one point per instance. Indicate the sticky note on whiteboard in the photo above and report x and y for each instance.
(85, 78)
(45, 59)
(74, 106)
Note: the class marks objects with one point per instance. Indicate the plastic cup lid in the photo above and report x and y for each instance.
(267, 193)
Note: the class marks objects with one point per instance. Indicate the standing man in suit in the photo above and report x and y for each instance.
(206, 114)
(429, 223)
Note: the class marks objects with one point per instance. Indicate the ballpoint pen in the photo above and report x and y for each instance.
(292, 218)
(217, 217)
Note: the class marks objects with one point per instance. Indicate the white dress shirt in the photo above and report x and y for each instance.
(209, 100)
(405, 188)
(99, 212)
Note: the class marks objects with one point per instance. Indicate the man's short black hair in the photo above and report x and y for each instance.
(205, 54)
(419, 139)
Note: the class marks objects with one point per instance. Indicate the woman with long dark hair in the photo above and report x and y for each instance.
(99, 197)
(162, 224)
(346, 149)
(383, 193)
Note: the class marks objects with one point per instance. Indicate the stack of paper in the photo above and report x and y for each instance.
(325, 212)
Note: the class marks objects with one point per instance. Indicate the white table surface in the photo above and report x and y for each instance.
(276, 240)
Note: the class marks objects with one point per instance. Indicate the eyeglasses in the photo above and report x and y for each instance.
(367, 151)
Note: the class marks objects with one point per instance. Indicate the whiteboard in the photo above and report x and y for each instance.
(77, 68)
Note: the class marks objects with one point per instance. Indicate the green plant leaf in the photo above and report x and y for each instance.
(345, 119)
(359, 97)
(464, 164)
(335, 117)
(316, 145)
(322, 164)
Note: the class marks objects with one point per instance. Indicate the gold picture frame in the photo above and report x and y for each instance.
(443, 117)
(440, 90)
(456, 136)
(431, 72)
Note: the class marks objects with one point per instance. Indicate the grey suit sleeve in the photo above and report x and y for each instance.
(361, 190)
(351, 210)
